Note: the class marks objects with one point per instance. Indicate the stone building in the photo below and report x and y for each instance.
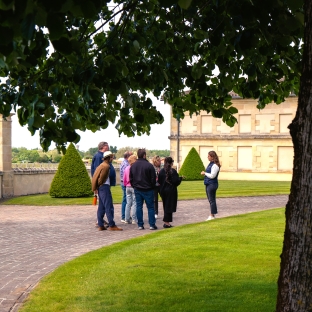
(258, 147)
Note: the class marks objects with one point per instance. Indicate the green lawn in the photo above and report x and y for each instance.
(230, 264)
(187, 190)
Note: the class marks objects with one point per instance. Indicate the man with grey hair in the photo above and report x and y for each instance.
(98, 157)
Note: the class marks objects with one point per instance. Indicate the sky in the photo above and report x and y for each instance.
(158, 138)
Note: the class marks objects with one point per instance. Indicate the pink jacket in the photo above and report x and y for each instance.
(126, 178)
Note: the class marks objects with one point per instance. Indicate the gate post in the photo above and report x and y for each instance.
(7, 185)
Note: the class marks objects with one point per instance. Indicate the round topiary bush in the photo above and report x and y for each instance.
(71, 178)
(192, 166)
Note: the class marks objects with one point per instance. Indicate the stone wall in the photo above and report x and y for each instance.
(35, 181)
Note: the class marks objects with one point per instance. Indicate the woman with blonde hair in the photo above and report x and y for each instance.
(130, 197)
(211, 182)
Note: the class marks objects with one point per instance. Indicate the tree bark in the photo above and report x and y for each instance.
(295, 279)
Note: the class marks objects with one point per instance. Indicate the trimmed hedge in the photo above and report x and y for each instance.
(192, 166)
(72, 178)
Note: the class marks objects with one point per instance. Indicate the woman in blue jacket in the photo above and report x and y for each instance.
(211, 182)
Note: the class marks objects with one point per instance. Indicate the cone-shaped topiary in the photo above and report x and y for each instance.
(71, 178)
(192, 166)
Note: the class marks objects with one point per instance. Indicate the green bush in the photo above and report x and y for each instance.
(71, 178)
(192, 166)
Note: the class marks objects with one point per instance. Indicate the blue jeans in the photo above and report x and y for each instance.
(148, 196)
(105, 205)
(124, 201)
(131, 204)
(211, 190)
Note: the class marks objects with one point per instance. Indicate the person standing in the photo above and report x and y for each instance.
(157, 164)
(131, 203)
(143, 180)
(211, 182)
(123, 166)
(96, 161)
(101, 186)
(98, 157)
(169, 181)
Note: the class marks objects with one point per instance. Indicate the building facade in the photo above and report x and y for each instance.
(258, 147)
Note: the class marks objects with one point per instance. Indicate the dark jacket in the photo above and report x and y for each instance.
(142, 175)
(96, 161)
(168, 190)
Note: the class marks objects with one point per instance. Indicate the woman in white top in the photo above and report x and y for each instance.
(211, 182)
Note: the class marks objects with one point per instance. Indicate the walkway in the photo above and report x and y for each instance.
(36, 240)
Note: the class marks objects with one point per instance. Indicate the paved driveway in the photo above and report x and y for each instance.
(35, 240)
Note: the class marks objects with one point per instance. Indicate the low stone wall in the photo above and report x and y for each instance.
(37, 180)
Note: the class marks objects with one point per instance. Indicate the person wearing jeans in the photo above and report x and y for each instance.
(131, 203)
(123, 166)
(143, 180)
(148, 197)
(211, 182)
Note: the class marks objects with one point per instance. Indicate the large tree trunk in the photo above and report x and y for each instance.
(295, 279)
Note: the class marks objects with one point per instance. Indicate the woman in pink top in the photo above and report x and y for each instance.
(131, 203)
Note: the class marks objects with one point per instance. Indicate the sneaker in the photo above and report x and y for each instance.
(156, 216)
(134, 222)
(123, 221)
(114, 228)
(210, 218)
(154, 227)
(128, 222)
(141, 227)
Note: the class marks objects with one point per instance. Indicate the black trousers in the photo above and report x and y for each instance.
(167, 217)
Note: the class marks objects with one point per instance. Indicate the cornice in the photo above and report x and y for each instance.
(231, 137)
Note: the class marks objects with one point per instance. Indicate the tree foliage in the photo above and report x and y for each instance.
(98, 60)
(192, 166)
(71, 178)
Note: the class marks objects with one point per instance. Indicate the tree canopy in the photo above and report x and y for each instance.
(80, 64)
(76, 64)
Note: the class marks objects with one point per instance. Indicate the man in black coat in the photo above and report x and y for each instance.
(143, 180)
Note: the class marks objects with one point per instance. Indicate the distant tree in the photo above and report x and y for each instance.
(192, 166)
(122, 150)
(93, 150)
(161, 153)
(43, 159)
(71, 178)
(113, 149)
(57, 158)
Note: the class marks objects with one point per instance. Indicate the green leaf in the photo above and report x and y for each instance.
(184, 4)
(55, 25)
(125, 71)
(136, 45)
(28, 26)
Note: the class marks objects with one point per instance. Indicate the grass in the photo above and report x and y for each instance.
(229, 264)
(187, 190)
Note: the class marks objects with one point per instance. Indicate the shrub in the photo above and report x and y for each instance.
(71, 178)
(192, 166)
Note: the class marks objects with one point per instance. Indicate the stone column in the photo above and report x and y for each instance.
(7, 187)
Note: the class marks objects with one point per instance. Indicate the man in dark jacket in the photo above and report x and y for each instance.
(143, 180)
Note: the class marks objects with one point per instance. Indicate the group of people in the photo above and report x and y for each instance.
(141, 182)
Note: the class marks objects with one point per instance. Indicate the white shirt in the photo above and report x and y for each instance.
(214, 171)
